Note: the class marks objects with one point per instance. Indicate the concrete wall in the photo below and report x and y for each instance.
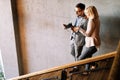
(7, 40)
(43, 41)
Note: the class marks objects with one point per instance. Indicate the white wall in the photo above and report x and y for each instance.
(7, 40)
(45, 43)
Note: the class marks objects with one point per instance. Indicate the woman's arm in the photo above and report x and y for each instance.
(90, 29)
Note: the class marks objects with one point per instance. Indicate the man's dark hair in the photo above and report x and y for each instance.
(81, 6)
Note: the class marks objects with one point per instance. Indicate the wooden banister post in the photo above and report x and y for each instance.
(115, 70)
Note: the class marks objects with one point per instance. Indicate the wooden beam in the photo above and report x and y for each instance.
(114, 73)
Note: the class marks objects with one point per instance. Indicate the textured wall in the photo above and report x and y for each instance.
(44, 41)
(7, 40)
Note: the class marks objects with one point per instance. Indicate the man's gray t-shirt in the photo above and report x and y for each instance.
(76, 37)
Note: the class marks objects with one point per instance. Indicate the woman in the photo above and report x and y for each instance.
(92, 40)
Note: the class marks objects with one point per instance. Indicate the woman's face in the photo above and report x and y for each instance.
(79, 12)
(87, 14)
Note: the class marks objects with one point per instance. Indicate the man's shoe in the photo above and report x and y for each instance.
(93, 67)
(75, 69)
(85, 73)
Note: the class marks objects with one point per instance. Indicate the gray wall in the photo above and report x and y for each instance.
(43, 41)
(43, 38)
(7, 40)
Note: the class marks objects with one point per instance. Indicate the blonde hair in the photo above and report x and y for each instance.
(92, 12)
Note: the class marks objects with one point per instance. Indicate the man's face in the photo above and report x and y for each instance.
(79, 12)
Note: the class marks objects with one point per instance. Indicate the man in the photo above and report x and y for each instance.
(77, 39)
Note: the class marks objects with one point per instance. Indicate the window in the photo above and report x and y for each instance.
(2, 77)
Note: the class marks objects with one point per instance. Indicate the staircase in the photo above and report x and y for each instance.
(108, 66)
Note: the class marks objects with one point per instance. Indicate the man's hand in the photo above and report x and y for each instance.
(75, 29)
(66, 26)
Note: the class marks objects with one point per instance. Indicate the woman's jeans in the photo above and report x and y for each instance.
(87, 54)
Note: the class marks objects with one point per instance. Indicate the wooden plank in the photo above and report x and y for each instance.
(81, 62)
(114, 73)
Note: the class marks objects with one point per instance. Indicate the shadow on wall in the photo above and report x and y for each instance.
(18, 21)
(110, 32)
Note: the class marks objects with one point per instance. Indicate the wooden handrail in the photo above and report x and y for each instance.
(81, 62)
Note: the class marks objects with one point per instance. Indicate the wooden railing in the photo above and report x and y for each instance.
(56, 71)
